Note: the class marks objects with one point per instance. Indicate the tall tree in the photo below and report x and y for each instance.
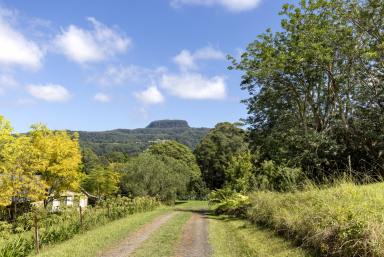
(215, 151)
(60, 159)
(316, 89)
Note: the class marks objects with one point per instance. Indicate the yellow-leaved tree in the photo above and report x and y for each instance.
(60, 159)
(5, 137)
(20, 181)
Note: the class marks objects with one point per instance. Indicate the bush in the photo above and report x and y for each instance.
(225, 201)
(271, 176)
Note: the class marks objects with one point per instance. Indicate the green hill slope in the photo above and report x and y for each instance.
(133, 141)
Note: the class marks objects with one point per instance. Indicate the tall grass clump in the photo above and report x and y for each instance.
(345, 220)
(63, 225)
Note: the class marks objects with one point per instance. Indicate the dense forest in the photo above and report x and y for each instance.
(132, 142)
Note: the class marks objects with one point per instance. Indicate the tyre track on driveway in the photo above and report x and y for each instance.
(135, 240)
(194, 241)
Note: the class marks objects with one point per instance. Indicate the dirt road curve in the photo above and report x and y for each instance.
(130, 244)
(194, 240)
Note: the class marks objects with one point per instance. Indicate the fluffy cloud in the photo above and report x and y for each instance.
(6, 82)
(151, 95)
(187, 60)
(119, 75)
(232, 5)
(127, 74)
(194, 86)
(97, 44)
(49, 92)
(15, 48)
(101, 97)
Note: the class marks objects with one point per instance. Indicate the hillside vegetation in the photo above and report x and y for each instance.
(134, 141)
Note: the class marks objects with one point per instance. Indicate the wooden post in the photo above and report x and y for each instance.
(108, 210)
(81, 215)
(36, 233)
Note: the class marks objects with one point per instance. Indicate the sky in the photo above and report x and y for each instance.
(99, 65)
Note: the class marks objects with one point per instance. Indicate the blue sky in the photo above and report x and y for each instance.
(98, 65)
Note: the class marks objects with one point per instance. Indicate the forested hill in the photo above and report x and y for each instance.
(133, 141)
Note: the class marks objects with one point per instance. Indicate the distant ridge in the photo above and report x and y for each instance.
(168, 124)
(134, 141)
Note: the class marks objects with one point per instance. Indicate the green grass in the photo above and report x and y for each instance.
(164, 241)
(191, 205)
(91, 242)
(238, 238)
(344, 220)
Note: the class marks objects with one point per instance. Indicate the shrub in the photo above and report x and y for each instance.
(225, 201)
(271, 176)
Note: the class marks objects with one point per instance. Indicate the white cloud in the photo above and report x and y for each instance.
(151, 95)
(194, 86)
(187, 60)
(101, 97)
(121, 75)
(49, 92)
(118, 75)
(232, 5)
(97, 44)
(7, 82)
(15, 48)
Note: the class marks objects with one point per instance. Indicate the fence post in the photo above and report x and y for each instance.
(36, 232)
(81, 216)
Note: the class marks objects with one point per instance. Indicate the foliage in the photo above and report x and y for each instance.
(316, 88)
(196, 188)
(225, 201)
(61, 158)
(65, 224)
(277, 177)
(133, 142)
(216, 149)
(150, 175)
(345, 220)
(239, 174)
(18, 169)
(102, 182)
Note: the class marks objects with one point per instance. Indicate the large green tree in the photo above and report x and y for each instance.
(181, 153)
(316, 87)
(215, 151)
(152, 175)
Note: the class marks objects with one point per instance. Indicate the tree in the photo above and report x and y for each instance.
(150, 175)
(19, 173)
(316, 88)
(196, 187)
(60, 158)
(177, 151)
(239, 173)
(90, 160)
(102, 182)
(215, 151)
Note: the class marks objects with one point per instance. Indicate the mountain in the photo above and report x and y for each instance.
(133, 141)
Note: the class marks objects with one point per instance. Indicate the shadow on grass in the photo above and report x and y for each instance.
(178, 202)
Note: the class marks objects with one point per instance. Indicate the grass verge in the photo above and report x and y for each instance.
(163, 242)
(238, 238)
(90, 243)
(345, 220)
